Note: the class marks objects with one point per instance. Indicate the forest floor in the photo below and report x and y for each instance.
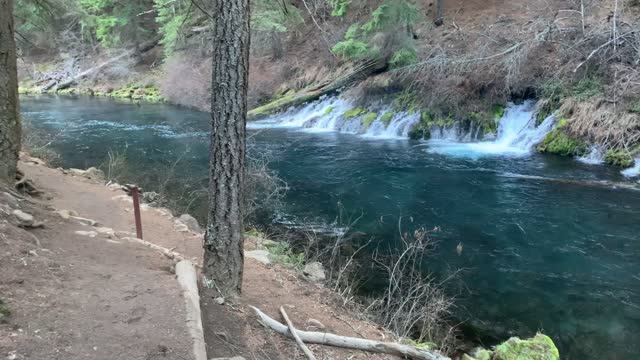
(71, 290)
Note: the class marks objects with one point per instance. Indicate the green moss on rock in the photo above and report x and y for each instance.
(355, 112)
(618, 158)
(328, 110)
(497, 111)
(386, 118)
(560, 143)
(368, 119)
(540, 347)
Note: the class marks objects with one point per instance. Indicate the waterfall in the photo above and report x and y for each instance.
(633, 171)
(327, 114)
(517, 135)
(595, 156)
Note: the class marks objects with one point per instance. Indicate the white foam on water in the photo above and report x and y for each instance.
(632, 171)
(595, 156)
(326, 115)
(517, 135)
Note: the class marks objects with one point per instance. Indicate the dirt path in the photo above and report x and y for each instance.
(104, 297)
(82, 297)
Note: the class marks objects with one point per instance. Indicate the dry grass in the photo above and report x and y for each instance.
(598, 121)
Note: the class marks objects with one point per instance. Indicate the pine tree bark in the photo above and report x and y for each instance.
(223, 257)
(10, 130)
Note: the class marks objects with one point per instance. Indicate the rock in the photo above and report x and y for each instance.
(190, 222)
(314, 271)
(8, 199)
(260, 255)
(478, 354)
(219, 300)
(90, 234)
(150, 197)
(95, 174)
(540, 347)
(179, 226)
(36, 161)
(313, 324)
(115, 186)
(85, 221)
(90, 173)
(26, 220)
(66, 214)
(106, 231)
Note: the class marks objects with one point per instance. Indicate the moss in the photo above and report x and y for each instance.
(497, 111)
(618, 158)
(481, 354)
(4, 312)
(540, 347)
(328, 110)
(368, 119)
(560, 143)
(386, 118)
(355, 112)
(282, 103)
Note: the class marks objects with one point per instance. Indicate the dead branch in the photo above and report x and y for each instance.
(295, 335)
(404, 351)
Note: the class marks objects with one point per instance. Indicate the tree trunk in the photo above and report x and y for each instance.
(10, 130)
(223, 256)
(439, 20)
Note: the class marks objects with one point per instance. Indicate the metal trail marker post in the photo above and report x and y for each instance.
(136, 211)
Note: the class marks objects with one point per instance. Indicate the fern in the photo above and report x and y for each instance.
(403, 57)
(339, 7)
(352, 49)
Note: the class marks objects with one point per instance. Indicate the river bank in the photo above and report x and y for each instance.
(572, 225)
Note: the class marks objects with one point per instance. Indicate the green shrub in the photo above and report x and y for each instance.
(282, 254)
(618, 158)
(355, 112)
(587, 88)
(406, 101)
(339, 7)
(635, 107)
(368, 119)
(403, 57)
(352, 49)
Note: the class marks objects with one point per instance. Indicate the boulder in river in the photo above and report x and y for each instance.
(539, 347)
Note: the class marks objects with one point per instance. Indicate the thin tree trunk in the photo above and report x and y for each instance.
(439, 20)
(223, 257)
(10, 129)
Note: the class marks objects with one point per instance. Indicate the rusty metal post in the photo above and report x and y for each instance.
(136, 211)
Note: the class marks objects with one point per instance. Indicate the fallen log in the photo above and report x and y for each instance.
(295, 335)
(313, 337)
(315, 92)
(68, 82)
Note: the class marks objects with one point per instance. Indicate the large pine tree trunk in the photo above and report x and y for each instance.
(10, 130)
(223, 258)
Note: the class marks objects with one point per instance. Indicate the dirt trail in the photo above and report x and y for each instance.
(82, 297)
(104, 297)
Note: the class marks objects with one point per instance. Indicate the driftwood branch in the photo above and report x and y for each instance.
(404, 351)
(295, 335)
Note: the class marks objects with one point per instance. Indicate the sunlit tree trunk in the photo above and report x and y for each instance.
(9, 118)
(223, 258)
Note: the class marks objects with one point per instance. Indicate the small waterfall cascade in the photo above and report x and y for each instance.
(517, 135)
(595, 156)
(327, 114)
(633, 171)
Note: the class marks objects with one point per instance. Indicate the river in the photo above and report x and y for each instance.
(549, 243)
